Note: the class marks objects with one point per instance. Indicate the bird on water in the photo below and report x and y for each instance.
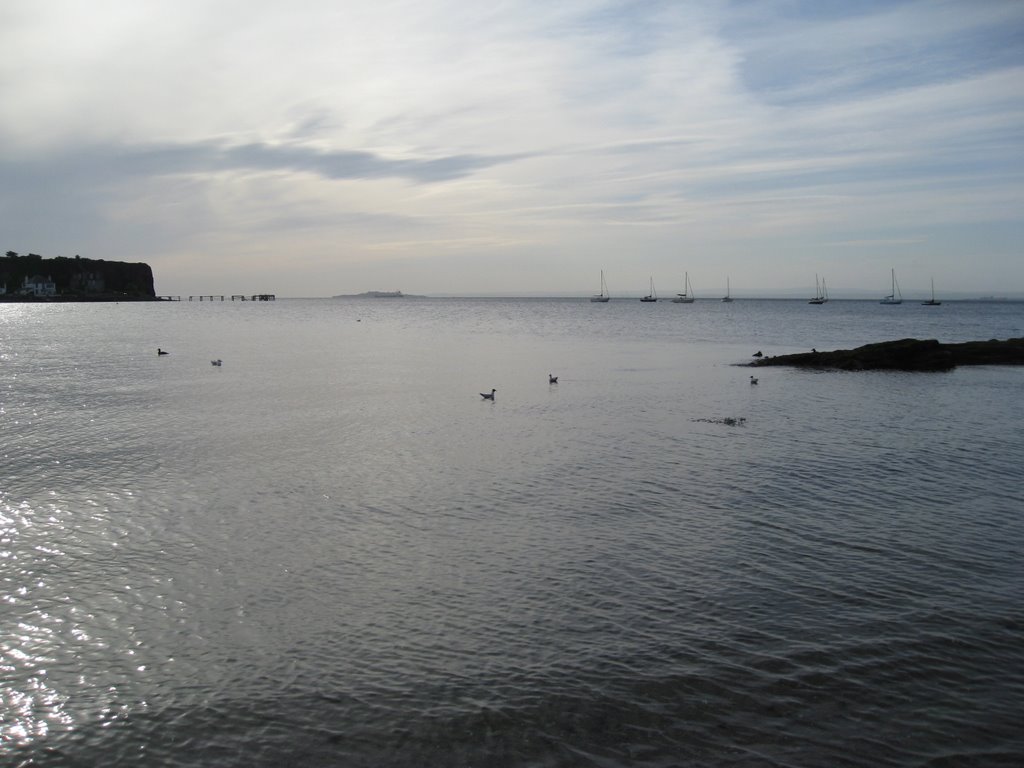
(486, 396)
(218, 362)
(753, 380)
(552, 379)
(161, 352)
(757, 354)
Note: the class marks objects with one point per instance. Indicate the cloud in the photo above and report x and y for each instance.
(592, 129)
(110, 162)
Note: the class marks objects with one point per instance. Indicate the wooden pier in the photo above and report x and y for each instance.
(220, 297)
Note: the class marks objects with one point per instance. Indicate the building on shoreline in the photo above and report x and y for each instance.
(37, 285)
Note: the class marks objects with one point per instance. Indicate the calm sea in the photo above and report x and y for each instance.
(331, 551)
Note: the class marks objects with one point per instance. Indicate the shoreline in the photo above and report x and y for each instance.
(102, 298)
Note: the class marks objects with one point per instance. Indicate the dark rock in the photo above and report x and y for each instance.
(908, 355)
(729, 421)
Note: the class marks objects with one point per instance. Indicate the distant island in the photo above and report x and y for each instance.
(378, 295)
(32, 278)
(907, 355)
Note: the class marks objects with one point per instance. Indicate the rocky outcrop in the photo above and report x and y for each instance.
(74, 279)
(907, 355)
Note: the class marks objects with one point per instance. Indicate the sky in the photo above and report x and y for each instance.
(520, 147)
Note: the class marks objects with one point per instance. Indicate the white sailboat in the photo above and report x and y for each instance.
(686, 297)
(652, 296)
(895, 297)
(820, 292)
(603, 296)
(727, 296)
(931, 302)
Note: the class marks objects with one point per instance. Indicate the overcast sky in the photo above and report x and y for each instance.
(446, 146)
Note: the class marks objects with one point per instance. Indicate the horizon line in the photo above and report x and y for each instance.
(781, 296)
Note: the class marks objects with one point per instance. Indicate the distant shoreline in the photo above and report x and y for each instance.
(99, 298)
(114, 298)
(629, 297)
(378, 295)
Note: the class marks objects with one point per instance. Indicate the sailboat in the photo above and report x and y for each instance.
(603, 296)
(931, 302)
(686, 297)
(727, 297)
(820, 292)
(652, 296)
(895, 297)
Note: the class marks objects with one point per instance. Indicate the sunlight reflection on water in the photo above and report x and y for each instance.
(332, 535)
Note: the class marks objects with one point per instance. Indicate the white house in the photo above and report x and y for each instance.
(37, 285)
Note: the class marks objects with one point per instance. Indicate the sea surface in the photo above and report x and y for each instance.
(331, 551)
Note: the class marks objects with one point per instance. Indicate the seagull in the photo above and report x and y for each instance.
(552, 379)
(753, 380)
(218, 362)
(488, 397)
(757, 354)
(161, 352)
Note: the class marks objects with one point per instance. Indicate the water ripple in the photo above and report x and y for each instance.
(332, 552)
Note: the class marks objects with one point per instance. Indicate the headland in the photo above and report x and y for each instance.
(31, 278)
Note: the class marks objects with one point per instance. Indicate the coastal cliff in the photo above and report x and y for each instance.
(907, 355)
(32, 278)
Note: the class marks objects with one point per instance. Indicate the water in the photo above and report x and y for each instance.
(332, 552)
